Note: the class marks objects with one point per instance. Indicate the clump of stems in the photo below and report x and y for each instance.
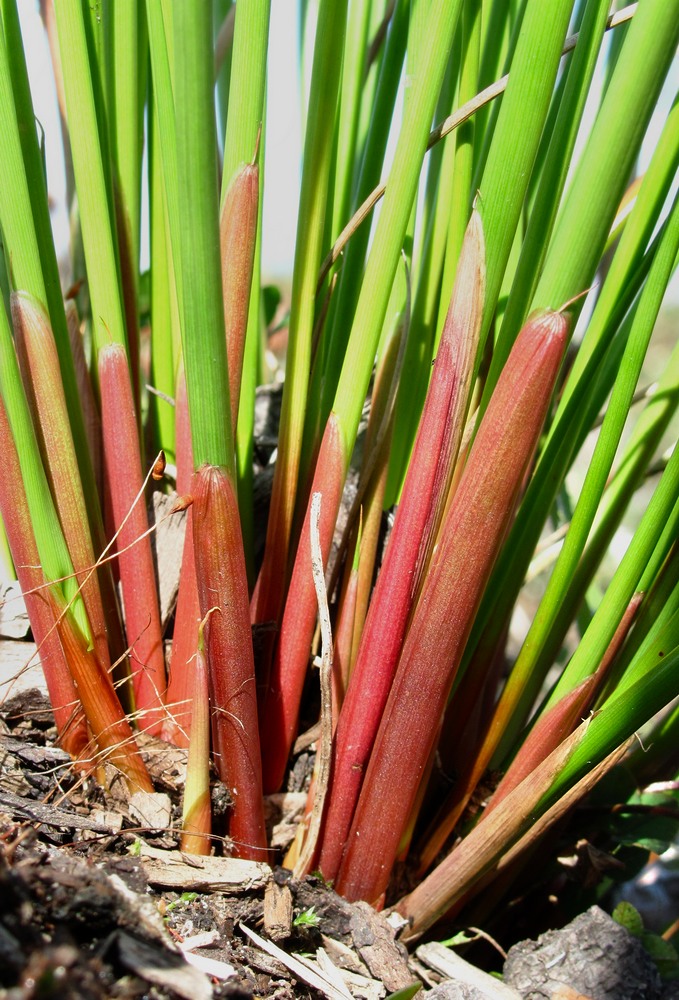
(482, 401)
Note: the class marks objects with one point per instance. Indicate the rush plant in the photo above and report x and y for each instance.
(502, 309)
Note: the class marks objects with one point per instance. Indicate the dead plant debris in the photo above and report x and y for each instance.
(97, 902)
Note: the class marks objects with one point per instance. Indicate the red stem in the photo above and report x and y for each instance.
(122, 471)
(417, 518)
(468, 544)
(222, 585)
(283, 695)
(179, 699)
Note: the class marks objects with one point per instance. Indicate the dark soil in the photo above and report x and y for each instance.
(82, 915)
(95, 904)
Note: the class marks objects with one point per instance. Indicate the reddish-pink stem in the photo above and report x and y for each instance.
(122, 471)
(468, 542)
(424, 494)
(179, 699)
(223, 592)
(237, 238)
(283, 695)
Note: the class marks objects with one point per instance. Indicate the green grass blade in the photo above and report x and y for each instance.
(24, 215)
(25, 220)
(203, 335)
(243, 134)
(449, 225)
(637, 455)
(656, 684)
(589, 208)
(353, 70)
(572, 419)
(223, 23)
(658, 612)
(344, 298)
(164, 306)
(517, 135)
(637, 232)
(498, 39)
(616, 598)
(129, 44)
(554, 171)
(127, 64)
(246, 90)
(318, 149)
(465, 142)
(161, 51)
(92, 179)
(391, 228)
(548, 627)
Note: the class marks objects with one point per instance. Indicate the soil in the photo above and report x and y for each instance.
(97, 902)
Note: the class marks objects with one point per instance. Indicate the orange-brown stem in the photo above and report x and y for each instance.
(370, 536)
(68, 714)
(344, 633)
(110, 728)
(197, 809)
(42, 375)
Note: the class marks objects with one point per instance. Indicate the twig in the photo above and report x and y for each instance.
(300, 971)
(325, 743)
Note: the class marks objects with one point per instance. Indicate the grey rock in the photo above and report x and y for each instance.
(593, 955)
